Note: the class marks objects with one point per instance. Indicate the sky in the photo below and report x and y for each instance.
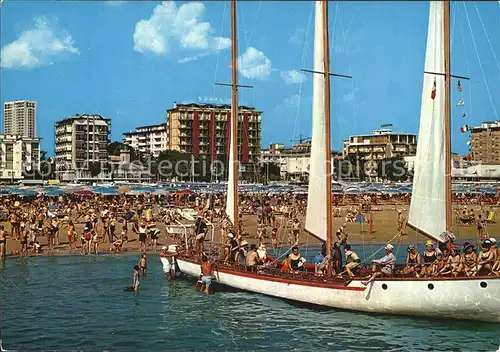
(130, 61)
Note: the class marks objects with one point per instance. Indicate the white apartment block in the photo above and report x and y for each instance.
(151, 139)
(20, 118)
(81, 140)
(18, 154)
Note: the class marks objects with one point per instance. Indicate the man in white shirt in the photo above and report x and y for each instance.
(383, 266)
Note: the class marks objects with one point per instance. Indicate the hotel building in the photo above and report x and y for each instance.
(20, 118)
(81, 140)
(204, 130)
(151, 139)
(485, 143)
(381, 144)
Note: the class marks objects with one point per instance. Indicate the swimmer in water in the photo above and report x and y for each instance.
(136, 278)
(143, 264)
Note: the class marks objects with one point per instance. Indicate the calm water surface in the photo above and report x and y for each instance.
(78, 303)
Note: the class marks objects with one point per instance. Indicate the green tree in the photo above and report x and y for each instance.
(95, 168)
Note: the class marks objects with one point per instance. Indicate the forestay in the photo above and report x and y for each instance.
(428, 202)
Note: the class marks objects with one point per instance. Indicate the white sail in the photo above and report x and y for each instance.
(316, 195)
(232, 198)
(428, 201)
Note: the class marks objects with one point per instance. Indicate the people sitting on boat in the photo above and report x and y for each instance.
(262, 252)
(240, 255)
(444, 263)
(253, 259)
(430, 255)
(494, 248)
(486, 259)
(337, 258)
(383, 266)
(285, 264)
(413, 264)
(296, 260)
(352, 260)
(456, 261)
(469, 259)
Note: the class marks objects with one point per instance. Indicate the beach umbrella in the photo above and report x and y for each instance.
(124, 189)
(85, 192)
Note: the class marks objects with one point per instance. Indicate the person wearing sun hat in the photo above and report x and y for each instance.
(486, 258)
(429, 257)
(383, 266)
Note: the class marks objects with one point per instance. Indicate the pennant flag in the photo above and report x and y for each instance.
(461, 102)
(464, 128)
(463, 115)
(433, 94)
(469, 157)
(459, 87)
(468, 142)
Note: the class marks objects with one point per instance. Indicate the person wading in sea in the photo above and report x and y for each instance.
(135, 278)
(207, 269)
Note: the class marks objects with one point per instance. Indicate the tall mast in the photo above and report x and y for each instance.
(328, 161)
(447, 113)
(234, 113)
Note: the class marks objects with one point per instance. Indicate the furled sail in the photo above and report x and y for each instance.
(316, 197)
(232, 197)
(428, 201)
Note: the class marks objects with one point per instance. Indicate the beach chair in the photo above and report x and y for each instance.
(491, 217)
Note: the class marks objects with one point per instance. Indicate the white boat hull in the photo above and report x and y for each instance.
(458, 299)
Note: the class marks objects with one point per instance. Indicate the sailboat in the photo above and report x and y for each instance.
(470, 298)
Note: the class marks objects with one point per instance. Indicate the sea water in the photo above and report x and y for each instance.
(78, 303)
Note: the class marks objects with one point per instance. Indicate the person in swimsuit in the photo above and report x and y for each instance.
(486, 259)
(469, 259)
(456, 261)
(142, 237)
(3, 243)
(207, 269)
(71, 235)
(296, 260)
(352, 260)
(429, 258)
(135, 278)
(143, 265)
(413, 262)
(274, 238)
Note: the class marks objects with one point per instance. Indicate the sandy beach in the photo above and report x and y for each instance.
(384, 230)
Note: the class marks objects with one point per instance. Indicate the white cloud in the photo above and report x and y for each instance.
(214, 100)
(348, 97)
(178, 28)
(40, 45)
(298, 36)
(293, 76)
(114, 2)
(254, 64)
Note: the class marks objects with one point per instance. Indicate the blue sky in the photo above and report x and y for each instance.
(131, 60)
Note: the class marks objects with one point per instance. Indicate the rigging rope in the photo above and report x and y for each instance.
(302, 62)
(480, 64)
(468, 69)
(218, 49)
(486, 33)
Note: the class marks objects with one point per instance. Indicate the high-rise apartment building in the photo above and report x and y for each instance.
(151, 139)
(485, 143)
(20, 118)
(80, 141)
(204, 130)
(18, 154)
